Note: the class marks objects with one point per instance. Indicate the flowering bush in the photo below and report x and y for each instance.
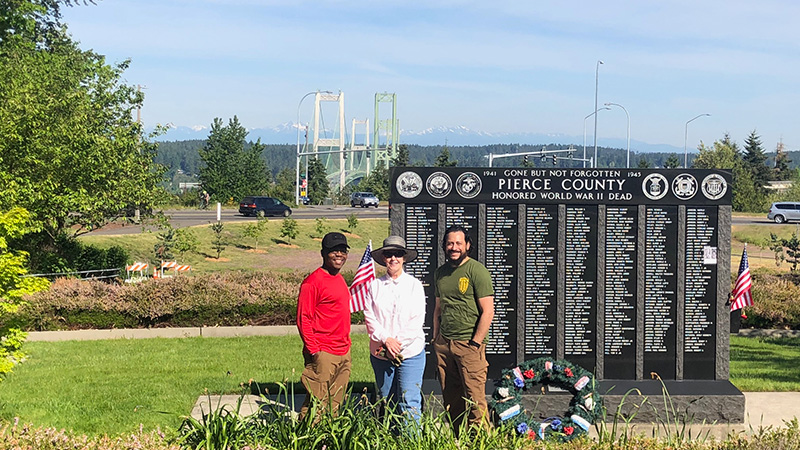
(776, 301)
(225, 299)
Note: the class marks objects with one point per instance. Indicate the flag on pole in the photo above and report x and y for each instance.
(741, 292)
(359, 290)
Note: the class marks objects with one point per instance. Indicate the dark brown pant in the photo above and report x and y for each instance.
(462, 373)
(325, 377)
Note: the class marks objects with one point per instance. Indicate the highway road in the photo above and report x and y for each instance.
(190, 217)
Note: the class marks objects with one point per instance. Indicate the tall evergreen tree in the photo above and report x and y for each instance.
(318, 186)
(782, 170)
(672, 162)
(232, 169)
(756, 161)
(443, 160)
(401, 158)
(376, 182)
(284, 185)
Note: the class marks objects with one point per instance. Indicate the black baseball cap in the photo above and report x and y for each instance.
(333, 240)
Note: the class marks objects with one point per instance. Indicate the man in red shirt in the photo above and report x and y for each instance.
(323, 319)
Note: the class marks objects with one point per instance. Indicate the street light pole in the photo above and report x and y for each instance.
(628, 163)
(297, 168)
(584, 133)
(596, 85)
(686, 137)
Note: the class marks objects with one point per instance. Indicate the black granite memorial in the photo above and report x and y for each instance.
(624, 272)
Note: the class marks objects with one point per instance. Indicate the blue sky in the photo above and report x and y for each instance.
(499, 66)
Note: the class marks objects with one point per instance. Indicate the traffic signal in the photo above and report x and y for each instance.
(555, 160)
(525, 160)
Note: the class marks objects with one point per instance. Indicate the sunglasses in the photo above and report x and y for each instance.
(395, 253)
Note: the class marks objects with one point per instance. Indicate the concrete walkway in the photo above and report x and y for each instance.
(279, 330)
(144, 333)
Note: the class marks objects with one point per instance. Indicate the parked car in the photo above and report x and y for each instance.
(363, 199)
(781, 212)
(263, 206)
(305, 200)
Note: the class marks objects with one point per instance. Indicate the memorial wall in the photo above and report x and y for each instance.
(622, 271)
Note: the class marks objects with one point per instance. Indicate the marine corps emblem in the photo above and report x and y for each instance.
(468, 185)
(463, 284)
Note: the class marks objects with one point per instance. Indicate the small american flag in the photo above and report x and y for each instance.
(741, 292)
(359, 290)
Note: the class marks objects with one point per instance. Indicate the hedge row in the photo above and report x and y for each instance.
(270, 298)
(223, 299)
(776, 301)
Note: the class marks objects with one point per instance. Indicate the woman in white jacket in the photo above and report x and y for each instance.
(394, 318)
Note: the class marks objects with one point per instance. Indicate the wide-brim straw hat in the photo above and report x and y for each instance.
(393, 243)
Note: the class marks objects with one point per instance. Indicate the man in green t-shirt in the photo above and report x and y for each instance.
(464, 310)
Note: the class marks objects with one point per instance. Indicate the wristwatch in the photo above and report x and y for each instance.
(474, 344)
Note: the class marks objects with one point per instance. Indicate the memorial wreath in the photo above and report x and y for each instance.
(584, 408)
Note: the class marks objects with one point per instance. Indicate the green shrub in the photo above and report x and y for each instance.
(321, 227)
(68, 254)
(289, 228)
(352, 222)
(218, 242)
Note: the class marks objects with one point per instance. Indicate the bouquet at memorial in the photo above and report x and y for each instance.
(383, 352)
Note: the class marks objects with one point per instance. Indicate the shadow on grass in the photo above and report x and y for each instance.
(273, 388)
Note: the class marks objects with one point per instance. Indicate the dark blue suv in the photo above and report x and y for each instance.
(263, 206)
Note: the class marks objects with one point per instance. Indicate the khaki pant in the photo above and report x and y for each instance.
(325, 377)
(462, 372)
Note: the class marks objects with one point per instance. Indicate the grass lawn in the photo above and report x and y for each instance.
(765, 364)
(243, 253)
(112, 386)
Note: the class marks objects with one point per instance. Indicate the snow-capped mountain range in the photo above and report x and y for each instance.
(453, 136)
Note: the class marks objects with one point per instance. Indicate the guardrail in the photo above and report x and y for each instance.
(96, 274)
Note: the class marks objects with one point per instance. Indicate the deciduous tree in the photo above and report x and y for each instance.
(13, 286)
(70, 151)
(723, 154)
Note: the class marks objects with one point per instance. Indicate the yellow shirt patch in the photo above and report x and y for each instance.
(463, 284)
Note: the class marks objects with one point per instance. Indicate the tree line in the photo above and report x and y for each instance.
(229, 177)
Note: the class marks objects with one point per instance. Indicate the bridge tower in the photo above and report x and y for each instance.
(388, 128)
(358, 163)
(331, 150)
